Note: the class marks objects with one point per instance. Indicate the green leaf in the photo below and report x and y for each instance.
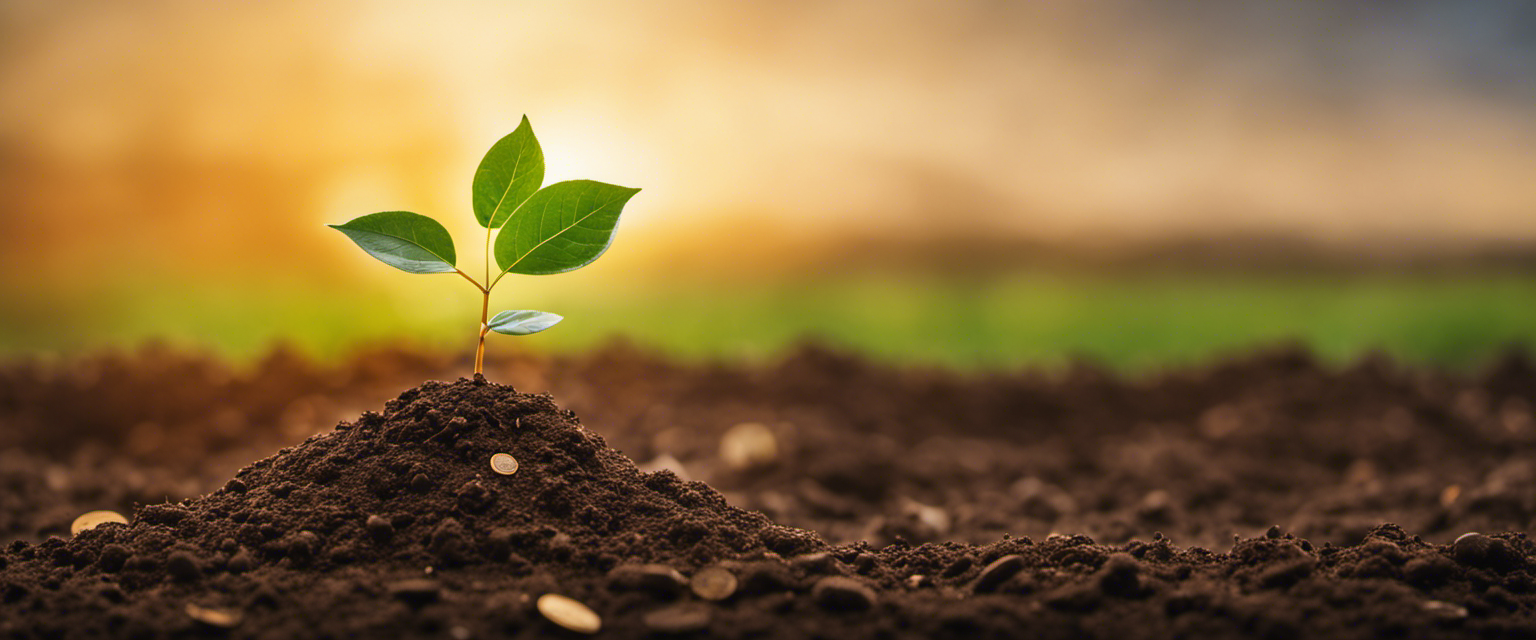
(564, 226)
(522, 323)
(510, 172)
(403, 240)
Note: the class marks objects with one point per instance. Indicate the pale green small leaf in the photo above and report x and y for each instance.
(562, 227)
(403, 240)
(510, 172)
(522, 323)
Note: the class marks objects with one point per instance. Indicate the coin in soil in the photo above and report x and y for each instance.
(569, 614)
(92, 519)
(504, 464)
(214, 617)
(714, 583)
(748, 445)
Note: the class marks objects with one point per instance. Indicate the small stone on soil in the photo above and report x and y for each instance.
(686, 617)
(93, 519)
(842, 594)
(569, 614)
(714, 583)
(380, 528)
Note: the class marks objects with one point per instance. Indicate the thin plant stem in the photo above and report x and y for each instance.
(485, 309)
(471, 280)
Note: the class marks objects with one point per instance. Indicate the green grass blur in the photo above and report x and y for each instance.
(1133, 322)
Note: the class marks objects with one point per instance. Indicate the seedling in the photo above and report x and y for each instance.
(548, 230)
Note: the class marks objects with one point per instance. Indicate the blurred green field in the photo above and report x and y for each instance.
(1132, 322)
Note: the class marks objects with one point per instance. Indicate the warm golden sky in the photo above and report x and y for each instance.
(172, 131)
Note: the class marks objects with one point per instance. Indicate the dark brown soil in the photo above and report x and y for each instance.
(937, 495)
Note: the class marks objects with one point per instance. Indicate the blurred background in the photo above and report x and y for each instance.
(982, 184)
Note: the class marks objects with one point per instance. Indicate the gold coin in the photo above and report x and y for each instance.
(714, 583)
(747, 445)
(90, 519)
(569, 613)
(504, 464)
(221, 618)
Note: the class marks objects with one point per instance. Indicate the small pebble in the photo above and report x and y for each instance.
(416, 591)
(569, 614)
(93, 519)
(214, 617)
(917, 580)
(1273, 533)
(842, 594)
(714, 583)
(998, 572)
(686, 617)
(380, 528)
(504, 464)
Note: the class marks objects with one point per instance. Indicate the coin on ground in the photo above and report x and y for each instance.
(569, 613)
(714, 583)
(221, 618)
(504, 464)
(748, 445)
(91, 519)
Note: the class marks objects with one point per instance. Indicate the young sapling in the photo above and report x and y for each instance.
(542, 230)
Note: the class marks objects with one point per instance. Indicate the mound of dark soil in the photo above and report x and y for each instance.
(396, 526)
(343, 533)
